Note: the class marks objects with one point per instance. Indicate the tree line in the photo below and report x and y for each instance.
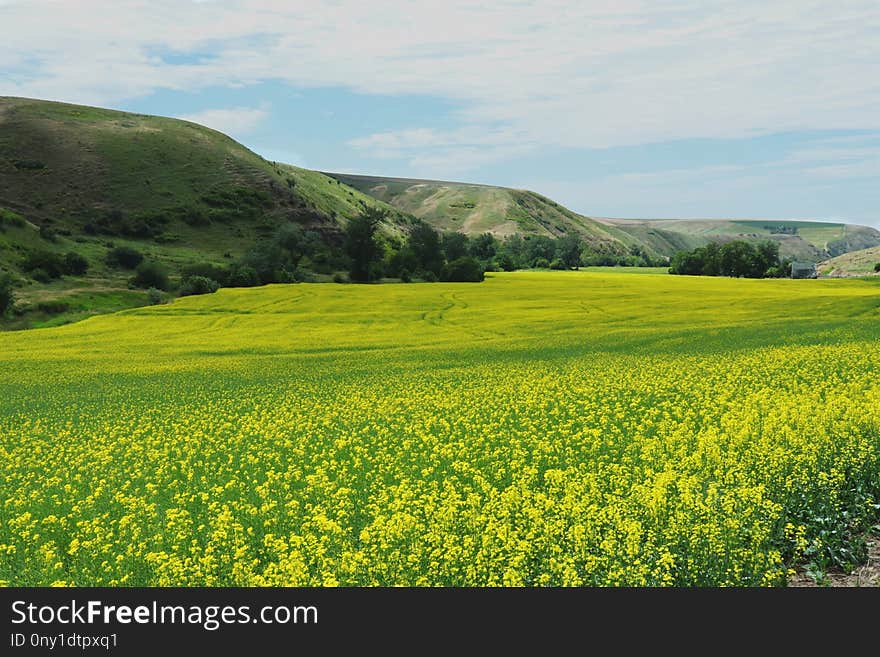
(739, 259)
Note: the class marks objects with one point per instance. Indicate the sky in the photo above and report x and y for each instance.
(632, 108)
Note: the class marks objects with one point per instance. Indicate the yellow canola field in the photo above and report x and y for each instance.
(564, 428)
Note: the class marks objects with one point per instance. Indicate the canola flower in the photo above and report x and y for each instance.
(557, 429)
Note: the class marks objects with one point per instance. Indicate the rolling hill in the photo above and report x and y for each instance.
(854, 263)
(473, 208)
(87, 180)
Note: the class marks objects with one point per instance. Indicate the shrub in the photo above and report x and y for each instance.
(51, 264)
(41, 276)
(877, 267)
(151, 274)
(429, 276)
(242, 276)
(53, 307)
(48, 234)
(463, 270)
(541, 263)
(405, 276)
(7, 293)
(557, 264)
(339, 278)
(75, 264)
(125, 257)
(154, 296)
(198, 285)
(206, 270)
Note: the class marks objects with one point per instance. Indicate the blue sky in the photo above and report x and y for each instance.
(687, 108)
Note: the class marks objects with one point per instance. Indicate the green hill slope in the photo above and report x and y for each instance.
(855, 263)
(474, 209)
(85, 179)
(802, 240)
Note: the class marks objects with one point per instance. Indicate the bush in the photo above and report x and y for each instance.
(405, 276)
(7, 293)
(877, 267)
(48, 234)
(53, 307)
(151, 274)
(50, 265)
(242, 276)
(41, 276)
(206, 270)
(557, 264)
(429, 277)
(198, 285)
(541, 263)
(339, 278)
(125, 257)
(463, 270)
(154, 296)
(75, 264)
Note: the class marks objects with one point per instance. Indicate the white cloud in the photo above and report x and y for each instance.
(572, 73)
(232, 121)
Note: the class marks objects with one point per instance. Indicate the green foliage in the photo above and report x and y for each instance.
(242, 275)
(48, 233)
(124, 257)
(541, 263)
(39, 263)
(198, 285)
(7, 293)
(483, 247)
(455, 245)
(557, 264)
(205, 270)
(463, 270)
(151, 274)
(54, 307)
(154, 296)
(424, 244)
(877, 267)
(75, 264)
(361, 245)
(569, 250)
(738, 259)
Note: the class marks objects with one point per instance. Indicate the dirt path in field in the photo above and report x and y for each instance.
(865, 575)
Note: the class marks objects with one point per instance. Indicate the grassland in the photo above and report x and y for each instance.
(545, 428)
(855, 263)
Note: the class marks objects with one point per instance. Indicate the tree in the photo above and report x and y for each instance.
(125, 257)
(296, 243)
(766, 257)
(7, 293)
(455, 246)
(569, 250)
(361, 245)
(151, 274)
(463, 270)
(75, 264)
(539, 247)
(424, 243)
(483, 246)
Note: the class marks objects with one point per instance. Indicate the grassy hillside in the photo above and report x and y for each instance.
(84, 179)
(537, 429)
(855, 263)
(475, 209)
(802, 240)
